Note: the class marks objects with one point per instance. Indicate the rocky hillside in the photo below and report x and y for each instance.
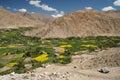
(37, 17)
(115, 14)
(10, 20)
(80, 23)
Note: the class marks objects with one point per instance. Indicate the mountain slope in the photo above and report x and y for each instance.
(115, 14)
(37, 17)
(80, 23)
(10, 20)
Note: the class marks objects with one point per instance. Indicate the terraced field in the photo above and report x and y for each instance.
(21, 53)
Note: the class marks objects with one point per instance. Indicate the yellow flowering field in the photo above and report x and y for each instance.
(12, 64)
(66, 46)
(89, 45)
(11, 46)
(61, 56)
(63, 42)
(41, 58)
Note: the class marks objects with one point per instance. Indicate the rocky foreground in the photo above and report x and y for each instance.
(83, 67)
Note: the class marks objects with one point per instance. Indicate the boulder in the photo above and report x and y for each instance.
(104, 70)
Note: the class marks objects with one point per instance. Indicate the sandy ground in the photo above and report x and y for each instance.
(83, 67)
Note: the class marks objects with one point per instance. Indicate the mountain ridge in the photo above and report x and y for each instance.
(80, 23)
(37, 17)
(11, 20)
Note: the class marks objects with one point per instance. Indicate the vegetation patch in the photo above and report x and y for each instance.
(15, 48)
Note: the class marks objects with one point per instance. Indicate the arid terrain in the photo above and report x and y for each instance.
(82, 67)
(81, 45)
(81, 23)
(10, 20)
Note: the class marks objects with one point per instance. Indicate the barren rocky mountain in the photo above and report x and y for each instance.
(115, 14)
(37, 17)
(80, 23)
(10, 20)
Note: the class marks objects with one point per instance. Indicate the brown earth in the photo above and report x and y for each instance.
(105, 58)
(80, 23)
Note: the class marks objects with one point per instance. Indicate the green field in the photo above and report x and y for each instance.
(15, 49)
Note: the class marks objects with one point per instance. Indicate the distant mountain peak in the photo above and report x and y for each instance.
(11, 20)
(37, 17)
